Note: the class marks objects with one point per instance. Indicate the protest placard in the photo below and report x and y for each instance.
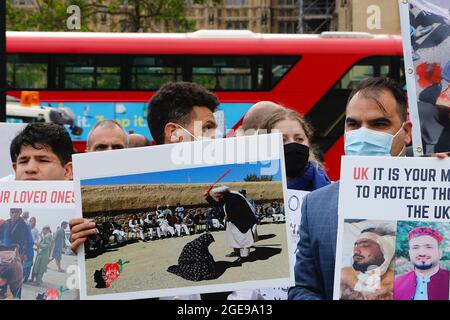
(156, 252)
(293, 209)
(394, 229)
(36, 262)
(425, 28)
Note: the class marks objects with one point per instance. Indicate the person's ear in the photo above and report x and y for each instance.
(407, 128)
(68, 171)
(172, 133)
(14, 165)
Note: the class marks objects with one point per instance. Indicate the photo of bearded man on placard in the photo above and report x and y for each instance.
(370, 276)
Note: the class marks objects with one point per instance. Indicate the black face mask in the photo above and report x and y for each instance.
(296, 157)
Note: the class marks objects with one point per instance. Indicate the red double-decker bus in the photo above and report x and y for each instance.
(100, 75)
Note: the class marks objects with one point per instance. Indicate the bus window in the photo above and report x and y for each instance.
(259, 77)
(108, 77)
(328, 115)
(354, 76)
(384, 71)
(27, 71)
(86, 72)
(107, 72)
(222, 73)
(152, 72)
(368, 68)
(281, 66)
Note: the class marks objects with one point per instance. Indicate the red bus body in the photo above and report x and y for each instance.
(323, 62)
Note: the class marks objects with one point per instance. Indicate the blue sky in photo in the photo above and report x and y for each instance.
(186, 176)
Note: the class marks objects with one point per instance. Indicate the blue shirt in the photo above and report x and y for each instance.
(422, 287)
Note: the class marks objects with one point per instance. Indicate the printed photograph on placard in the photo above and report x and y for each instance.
(368, 256)
(294, 205)
(180, 229)
(393, 229)
(429, 35)
(422, 261)
(36, 261)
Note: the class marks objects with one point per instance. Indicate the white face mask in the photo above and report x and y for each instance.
(196, 138)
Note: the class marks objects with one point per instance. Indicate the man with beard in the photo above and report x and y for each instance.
(239, 218)
(370, 277)
(428, 281)
(17, 232)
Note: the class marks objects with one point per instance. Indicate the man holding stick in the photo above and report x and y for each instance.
(239, 219)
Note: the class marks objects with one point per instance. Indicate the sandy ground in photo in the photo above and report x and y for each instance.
(53, 280)
(149, 261)
(136, 196)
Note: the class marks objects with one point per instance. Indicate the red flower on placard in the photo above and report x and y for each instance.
(52, 294)
(108, 274)
(429, 74)
(112, 272)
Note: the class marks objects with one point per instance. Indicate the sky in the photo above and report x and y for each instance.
(186, 176)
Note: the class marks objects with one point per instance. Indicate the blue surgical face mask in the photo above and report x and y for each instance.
(367, 142)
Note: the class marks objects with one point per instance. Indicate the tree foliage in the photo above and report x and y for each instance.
(123, 15)
(48, 15)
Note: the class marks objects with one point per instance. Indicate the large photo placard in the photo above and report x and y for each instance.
(36, 262)
(293, 209)
(168, 217)
(394, 229)
(425, 28)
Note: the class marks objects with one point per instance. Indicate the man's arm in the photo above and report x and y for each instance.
(211, 200)
(308, 284)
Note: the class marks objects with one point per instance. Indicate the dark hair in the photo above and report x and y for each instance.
(174, 102)
(50, 135)
(379, 231)
(377, 84)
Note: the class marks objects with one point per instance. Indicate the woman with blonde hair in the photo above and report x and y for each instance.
(303, 170)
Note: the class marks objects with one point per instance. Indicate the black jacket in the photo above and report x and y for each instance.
(238, 210)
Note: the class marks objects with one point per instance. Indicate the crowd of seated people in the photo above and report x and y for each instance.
(166, 223)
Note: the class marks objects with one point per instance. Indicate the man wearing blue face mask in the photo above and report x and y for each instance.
(375, 125)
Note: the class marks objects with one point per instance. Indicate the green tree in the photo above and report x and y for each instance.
(48, 15)
(145, 15)
(125, 15)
